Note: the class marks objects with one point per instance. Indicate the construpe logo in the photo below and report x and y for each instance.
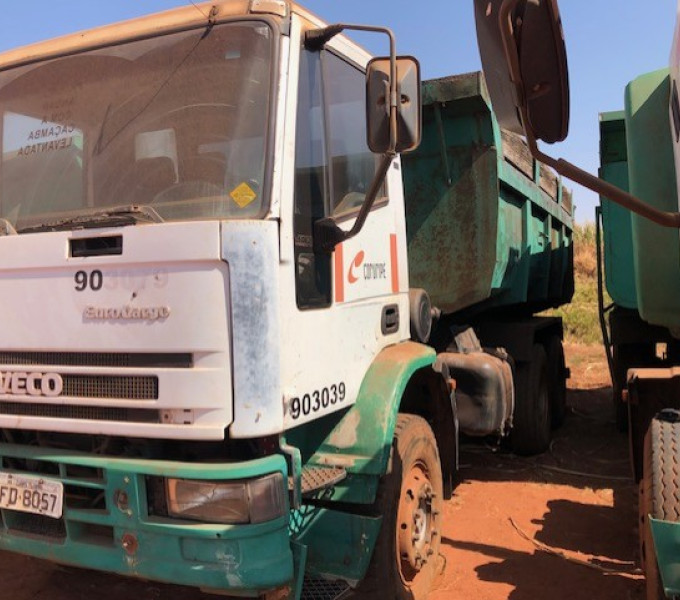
(16, 383)
(378, 277)
(358, 269)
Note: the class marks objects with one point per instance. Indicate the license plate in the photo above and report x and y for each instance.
(30, 494)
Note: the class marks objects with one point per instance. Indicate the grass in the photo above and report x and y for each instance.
(581, 321)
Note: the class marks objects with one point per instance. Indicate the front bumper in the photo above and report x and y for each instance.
(121, 537)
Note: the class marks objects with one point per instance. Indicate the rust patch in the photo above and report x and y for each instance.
(282, 593)
(129, 543)
(400, 353)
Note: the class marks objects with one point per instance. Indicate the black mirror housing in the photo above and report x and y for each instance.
(409, 124)
(531, 74)
(521, 43)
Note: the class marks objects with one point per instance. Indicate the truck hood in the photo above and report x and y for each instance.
(134, 343)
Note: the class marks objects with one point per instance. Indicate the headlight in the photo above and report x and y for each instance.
(252, 501)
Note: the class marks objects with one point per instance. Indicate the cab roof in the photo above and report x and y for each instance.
(185, 17)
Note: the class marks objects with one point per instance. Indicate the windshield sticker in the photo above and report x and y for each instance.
(27, 135)
(243, 194)
(60, 144)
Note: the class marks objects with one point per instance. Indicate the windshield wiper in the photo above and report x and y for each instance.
(100, 146)
(116, 216)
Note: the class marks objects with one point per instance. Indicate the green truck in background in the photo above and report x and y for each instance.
(642, 274)
(246, 333)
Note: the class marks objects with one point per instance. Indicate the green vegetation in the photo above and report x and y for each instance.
(581, 321)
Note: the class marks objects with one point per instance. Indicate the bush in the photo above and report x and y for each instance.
(585, 259)
(581, 320)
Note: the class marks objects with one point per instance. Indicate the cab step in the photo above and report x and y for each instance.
(320, 478)
(315, 478)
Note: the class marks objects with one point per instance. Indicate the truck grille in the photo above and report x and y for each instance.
(106, 388)
(98, 359)
(88, 413)
(111, 386)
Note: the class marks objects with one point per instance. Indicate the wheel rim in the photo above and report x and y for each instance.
(416, 521)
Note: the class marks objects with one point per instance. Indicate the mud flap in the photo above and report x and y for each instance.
(666, 536)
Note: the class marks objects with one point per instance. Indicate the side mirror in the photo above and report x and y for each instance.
(393, 121)
(378, 130)
(521, 44)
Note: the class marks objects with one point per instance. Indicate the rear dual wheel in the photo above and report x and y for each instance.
(557, 380)
(532, 420)
(541, 398)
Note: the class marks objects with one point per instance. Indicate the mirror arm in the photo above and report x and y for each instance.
(316, 39)
(506, 28)
(327, 233)
(617, 195)
(564, 167)
(602, 187)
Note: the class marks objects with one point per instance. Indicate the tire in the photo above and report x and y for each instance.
(532, 419)
(405, 560)
(659, 494)
(557, 381)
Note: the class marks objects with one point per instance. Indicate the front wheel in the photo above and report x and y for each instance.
(406, 559)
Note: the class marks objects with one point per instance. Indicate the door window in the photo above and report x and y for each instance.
(333, 164)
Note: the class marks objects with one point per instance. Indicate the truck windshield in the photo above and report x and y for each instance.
(177, 122)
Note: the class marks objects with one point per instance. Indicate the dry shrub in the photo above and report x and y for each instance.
(585, 258)
(581, 320)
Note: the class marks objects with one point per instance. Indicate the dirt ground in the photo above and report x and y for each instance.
(559, 526)
(576, 504)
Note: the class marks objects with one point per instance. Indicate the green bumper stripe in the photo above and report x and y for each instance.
(666, 536)
(244, 559)
(161, 468)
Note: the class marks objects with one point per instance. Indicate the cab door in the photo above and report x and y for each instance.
(349, 304)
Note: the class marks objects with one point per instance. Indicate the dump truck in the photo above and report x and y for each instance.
(642, 276)
(640, 262)
(242, 334)
(638, 244)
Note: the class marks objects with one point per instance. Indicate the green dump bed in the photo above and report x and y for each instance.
(642, 259)
(487, 226)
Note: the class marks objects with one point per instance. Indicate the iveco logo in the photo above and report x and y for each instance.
(31, 384)
(127, 313)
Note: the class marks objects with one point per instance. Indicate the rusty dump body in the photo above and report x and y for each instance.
(488, 227)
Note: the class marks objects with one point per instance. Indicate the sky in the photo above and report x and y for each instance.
(609, 43)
